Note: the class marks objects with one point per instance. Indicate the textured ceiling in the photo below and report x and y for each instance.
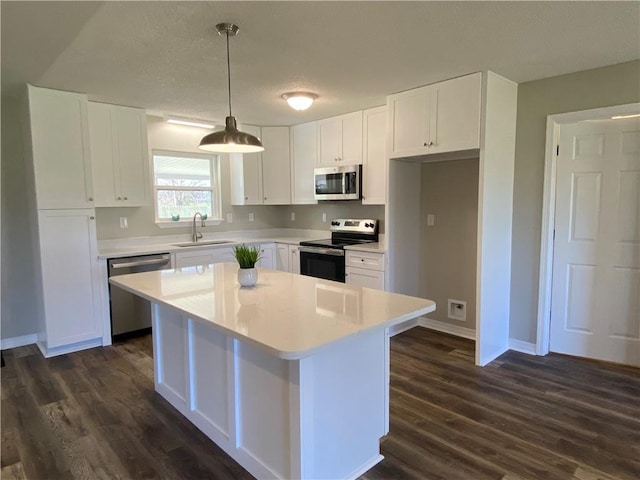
(167, 58)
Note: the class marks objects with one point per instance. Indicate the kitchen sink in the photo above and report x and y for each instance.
(206, 242)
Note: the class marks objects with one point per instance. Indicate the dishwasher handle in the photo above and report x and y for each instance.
(141, 263)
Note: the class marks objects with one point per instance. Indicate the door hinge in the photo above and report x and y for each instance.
(557, 150)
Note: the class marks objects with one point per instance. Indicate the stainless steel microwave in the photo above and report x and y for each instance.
(342, 182)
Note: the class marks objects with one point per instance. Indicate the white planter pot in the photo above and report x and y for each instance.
(247, 277)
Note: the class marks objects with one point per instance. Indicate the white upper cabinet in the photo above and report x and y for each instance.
(439, 118)
(304, 157)
(246, 174)
(374, 165)
(119, 152)
(59, 135)
(340, 140)
(276, 166)
(263, 178)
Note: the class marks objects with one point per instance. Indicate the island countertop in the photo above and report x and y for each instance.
(290, 316)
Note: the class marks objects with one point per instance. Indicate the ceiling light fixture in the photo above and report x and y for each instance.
(189, 123)
(230, 140)
(619, 117)
(299, 100)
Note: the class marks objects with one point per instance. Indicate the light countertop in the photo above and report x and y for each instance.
(290, 316)
(129, 247)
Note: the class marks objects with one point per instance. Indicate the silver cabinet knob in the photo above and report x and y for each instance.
(246, 198)
(126, 198)
(90, 199)
(92, 218)
(118, 198)
(265, 198)
(425, 144)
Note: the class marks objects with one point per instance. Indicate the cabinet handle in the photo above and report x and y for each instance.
(362, 259)
(246, 198)
(265, 198)
(92, 218)
(118, 198)
(90, 199)
(425, 144)
(431, 144)
(126, 198)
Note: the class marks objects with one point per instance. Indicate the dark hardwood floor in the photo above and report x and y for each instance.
(94, 414)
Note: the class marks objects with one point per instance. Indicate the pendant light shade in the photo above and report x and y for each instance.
(230, 140)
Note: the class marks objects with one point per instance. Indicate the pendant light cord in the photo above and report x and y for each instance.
(229, 73)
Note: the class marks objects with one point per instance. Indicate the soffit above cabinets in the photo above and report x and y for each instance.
(166, 57)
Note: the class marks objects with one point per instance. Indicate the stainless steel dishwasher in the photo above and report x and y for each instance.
(130, 314)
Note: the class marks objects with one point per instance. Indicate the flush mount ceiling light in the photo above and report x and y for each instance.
(299, 100)
(230, 140)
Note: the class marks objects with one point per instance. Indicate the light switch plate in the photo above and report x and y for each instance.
(229, 218)
(431, 220)
(324, 217)
(124, 223)
(293, 216)
(251, 217)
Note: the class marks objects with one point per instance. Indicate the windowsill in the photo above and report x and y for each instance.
(188, 223)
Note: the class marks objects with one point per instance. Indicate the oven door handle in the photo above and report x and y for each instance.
(323, 251)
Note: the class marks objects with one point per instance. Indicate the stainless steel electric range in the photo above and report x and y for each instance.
(325, 258)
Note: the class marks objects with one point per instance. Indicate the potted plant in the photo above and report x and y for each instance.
(247, 258)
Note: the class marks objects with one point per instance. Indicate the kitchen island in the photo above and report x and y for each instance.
(289, 377)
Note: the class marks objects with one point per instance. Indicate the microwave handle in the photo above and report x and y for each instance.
(344, 183)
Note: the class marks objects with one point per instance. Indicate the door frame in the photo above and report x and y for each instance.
(554, 122)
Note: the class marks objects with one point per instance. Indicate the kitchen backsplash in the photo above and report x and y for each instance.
(141, 220)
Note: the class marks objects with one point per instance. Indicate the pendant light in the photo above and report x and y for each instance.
(230, 140)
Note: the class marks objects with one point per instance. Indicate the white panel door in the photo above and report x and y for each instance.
(133, 155)
(294, 258)
(351, 138)
(282, 257)
(596, 265)
(329, 141)
(409, 122)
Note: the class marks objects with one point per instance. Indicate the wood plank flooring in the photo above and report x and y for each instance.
(94, 414)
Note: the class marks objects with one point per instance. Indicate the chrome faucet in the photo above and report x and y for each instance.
(195, 234)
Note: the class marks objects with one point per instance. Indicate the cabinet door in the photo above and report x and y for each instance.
(133, 156)
(294, 258)
(362, 277)
(246, 174)
(304, 156)
(351, 139)
(70, 276)
(329, 141)
(374, 165)
(203, 256)
(455, 114)
(282, 257)
(409, 117)
(246, 179)
(276, 166)
(267, 256)
(60, 147)
(103, 147)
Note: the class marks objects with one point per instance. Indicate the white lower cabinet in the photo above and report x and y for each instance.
(365, 269)
(203, 256)
(267, 256)
(294, 258)
(288, 257)
(71, 281)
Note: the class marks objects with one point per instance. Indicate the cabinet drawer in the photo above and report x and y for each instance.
(364, 277)
(371, 261)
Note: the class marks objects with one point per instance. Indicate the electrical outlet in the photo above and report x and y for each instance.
(229, 218)
(431, 220)
(457, 309)
(124, 223)
(251, 217)
(293, 216)
(324, 217)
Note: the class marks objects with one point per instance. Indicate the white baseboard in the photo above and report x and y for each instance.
(74, 347)
(20, 341)
(447, 328)
(521, 346)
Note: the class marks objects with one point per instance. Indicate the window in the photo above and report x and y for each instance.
(185, 183)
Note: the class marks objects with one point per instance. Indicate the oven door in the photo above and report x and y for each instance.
(327, 263)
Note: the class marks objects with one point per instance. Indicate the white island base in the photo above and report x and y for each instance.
(318, 417)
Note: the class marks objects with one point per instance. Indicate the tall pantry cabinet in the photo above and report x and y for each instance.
(69, 280)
